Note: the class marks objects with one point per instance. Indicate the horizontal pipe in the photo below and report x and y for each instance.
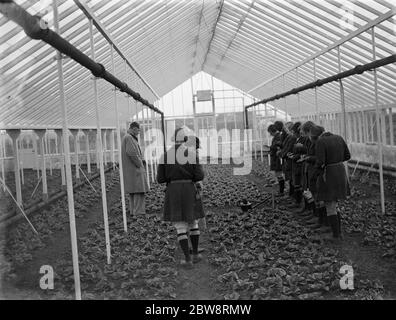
(320, 82)
(34, 27)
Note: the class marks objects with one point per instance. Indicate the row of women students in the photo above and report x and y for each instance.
(311, 160)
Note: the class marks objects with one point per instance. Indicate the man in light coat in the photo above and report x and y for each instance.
(134, 165)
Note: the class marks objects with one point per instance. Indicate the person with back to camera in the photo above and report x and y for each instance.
(179, 168)
(333, 184)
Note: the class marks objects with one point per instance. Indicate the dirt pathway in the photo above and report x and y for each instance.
(197, 283)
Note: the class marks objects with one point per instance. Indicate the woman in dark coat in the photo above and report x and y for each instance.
(311, 172)
(179, 168)
(332, 183)
(287, 147)
(298, 150)
(275, 161)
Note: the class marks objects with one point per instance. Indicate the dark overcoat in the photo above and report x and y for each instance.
(331, 152)
(275, 161)
(181, 204)
(297, 167)
(311, 171)
(134, 171)
(287, 147)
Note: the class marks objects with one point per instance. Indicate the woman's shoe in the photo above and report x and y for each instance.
(186, 264)
(196, 258)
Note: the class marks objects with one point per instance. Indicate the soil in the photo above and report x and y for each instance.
(197, 283)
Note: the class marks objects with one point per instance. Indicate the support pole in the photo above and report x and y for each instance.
(102, 176)
(383, 126)
(68, 172)
(317, 114)
(74, 132)
(112, 157)
(284, 89)
(365, 127)
(392, 142)
(342, 95)
(3, 155)
(36, 156)
(298, 97)
(360, 125)
(120, 164)
(104, 141)
(19, 145)
(377, 114)
(14, 134)
(88, 151)
(41, 133)
(49, 153)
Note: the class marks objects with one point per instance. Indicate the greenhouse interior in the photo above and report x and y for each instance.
(78, 77)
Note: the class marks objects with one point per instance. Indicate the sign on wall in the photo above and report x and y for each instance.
(204, 95)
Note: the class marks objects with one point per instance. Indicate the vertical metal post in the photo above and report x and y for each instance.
(298, 97)
(49, 154)
(143, 140)
(391, 132)
(70, 197)
(41, 134)
(76, 156)
(342, 95)
(21, 171)
(120, 164)
(360, 125)
(3, 155)
(284, 99)
(104, 139)
(255, 132)
(88, 151)
(14, 134)
(377, 114)
(317, 115)
(383, 126)
(112, 157)
(98, 128)
(355, 127)
(61, 154)
(36, 157)
(365, 127)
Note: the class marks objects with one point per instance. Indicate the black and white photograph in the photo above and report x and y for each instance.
(198, 157)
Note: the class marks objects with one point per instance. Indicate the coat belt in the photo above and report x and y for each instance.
(334, 164)
(181, 181)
